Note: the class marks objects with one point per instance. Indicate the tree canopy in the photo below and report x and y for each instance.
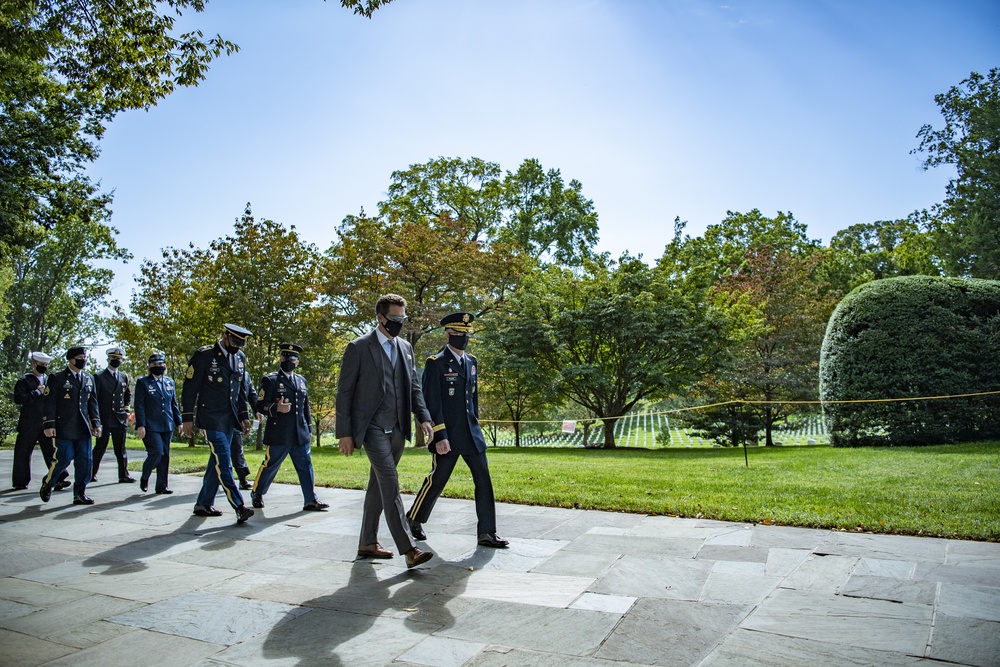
(966, 227)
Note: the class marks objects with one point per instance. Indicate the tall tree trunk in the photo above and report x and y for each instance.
(609, 433)
(517, 434)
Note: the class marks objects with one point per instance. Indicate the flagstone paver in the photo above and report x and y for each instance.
(136, 579)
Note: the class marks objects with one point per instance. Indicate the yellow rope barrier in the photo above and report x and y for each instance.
(745, 402)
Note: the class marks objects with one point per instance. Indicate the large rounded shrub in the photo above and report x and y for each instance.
(910, 337)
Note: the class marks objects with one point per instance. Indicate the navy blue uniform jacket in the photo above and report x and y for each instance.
(215, 397)
(32, 403)
(285, 429)
(155, 407)
(113, 398)
(71, 407)
(450, 392)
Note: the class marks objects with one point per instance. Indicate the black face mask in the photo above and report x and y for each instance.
(287, 365)
(79, 364)
(41, 369)
(158, 370)
(458, 342)
(392, 327)
(232, 349)
(114, 363)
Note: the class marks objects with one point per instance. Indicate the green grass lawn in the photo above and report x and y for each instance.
(948, 490)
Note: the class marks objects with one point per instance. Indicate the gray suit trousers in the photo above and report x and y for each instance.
(384, 451)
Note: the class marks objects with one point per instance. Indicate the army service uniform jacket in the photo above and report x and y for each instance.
(156, 407)
(214, 396)
(114, 396)
(32, 402)
(71, 405)
(285, 429)
(450, 392)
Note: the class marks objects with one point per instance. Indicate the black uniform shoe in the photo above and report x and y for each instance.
(492, 540)
(417, 531)
(82, 500)
(93, 478)
(245, 484)
(315, 506)
(45, 493)
(143, 484)
(63, 485)
(20, 488)
(257, 500)
(206, 511)
(243, 513)
(126, 480)
(164, 491)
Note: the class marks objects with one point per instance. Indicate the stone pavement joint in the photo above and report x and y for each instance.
(136, 579)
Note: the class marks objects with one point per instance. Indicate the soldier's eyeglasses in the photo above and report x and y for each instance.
(397, 318)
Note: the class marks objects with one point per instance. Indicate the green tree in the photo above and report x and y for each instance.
(877, 250)
(966, 228)
(511, 386)
(547, 218)
(782, 316)
(67, 67)
(59, 289)
(532, 208)
(438, 264)
(614, 334)
(702, 261)
(263, 276)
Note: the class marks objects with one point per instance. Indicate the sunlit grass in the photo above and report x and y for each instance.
(948, 490)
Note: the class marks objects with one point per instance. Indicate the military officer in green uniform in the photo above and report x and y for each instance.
(214, 398)
(449, 386)
(284, 400)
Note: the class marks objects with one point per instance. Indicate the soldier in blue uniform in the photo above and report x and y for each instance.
(114, 399)
(156, 416)
(214, 398)
(29, 393)
(285, 401)
(449, 385)
(71, 417)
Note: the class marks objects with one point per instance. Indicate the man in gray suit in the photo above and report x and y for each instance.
(377, 391)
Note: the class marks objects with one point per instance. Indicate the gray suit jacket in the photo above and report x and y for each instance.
(360, 387)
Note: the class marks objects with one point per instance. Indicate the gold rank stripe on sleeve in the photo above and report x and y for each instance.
(438, 427)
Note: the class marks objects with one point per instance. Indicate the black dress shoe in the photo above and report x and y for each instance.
(20, 488)
(126, 480)
(243, 513)
(143, 484)
(206, 511)
(45, 493)
(315, 506)
(93, 478)
(492, 540)
(82, 500)
(257, 500)
(63, 485)
(417, 531)
(245, 485)
(164, 491)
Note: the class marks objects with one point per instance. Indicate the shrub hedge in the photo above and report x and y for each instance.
(908, 337)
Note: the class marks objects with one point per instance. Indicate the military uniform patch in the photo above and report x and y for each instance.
(190, 372)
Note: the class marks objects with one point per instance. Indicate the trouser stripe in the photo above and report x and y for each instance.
(424, 489)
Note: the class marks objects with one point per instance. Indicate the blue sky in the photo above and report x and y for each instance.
(661, 108)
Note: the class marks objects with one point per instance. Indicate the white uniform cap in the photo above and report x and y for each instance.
(40, 357)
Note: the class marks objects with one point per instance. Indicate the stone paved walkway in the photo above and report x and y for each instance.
(137, 580)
